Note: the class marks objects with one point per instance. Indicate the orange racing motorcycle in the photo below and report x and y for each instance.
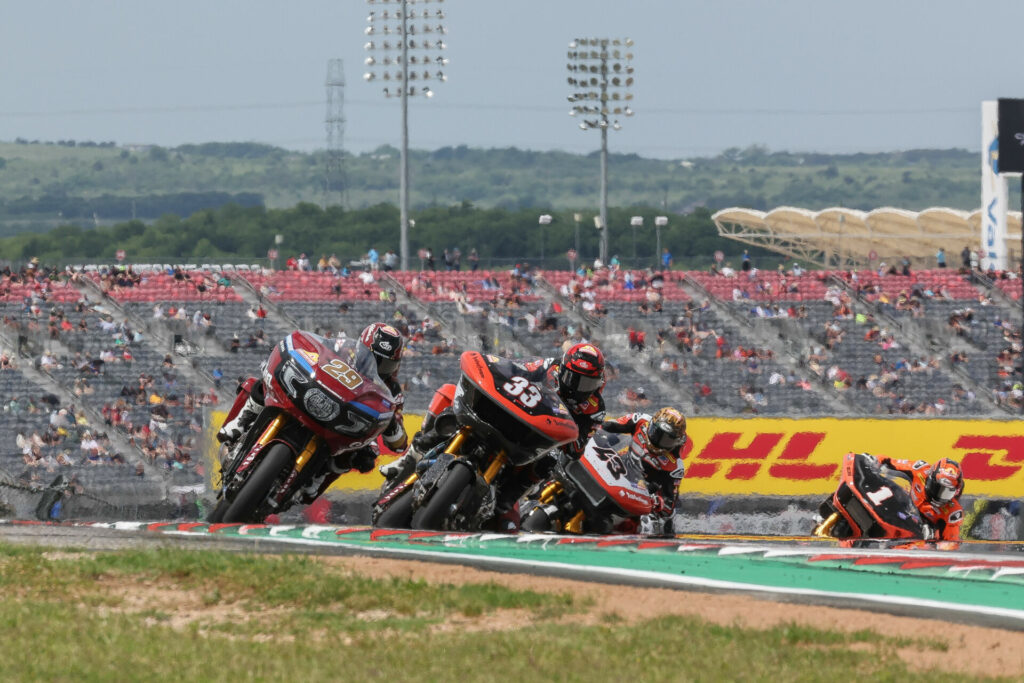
(502, 424)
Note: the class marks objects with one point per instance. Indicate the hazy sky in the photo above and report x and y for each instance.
(801, 75)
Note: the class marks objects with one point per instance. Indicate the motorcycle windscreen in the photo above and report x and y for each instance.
(508, 402)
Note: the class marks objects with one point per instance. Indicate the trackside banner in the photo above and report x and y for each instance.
(802, 457)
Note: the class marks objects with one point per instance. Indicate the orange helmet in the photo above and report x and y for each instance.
(661, 439)
(945, 482)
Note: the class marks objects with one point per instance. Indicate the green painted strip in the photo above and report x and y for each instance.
(703, 561)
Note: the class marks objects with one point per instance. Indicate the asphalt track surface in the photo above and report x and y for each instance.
(128, 536)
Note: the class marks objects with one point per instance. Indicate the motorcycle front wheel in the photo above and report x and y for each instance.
(398, 515)
(537, 520)
(254, 491)
(436, 511)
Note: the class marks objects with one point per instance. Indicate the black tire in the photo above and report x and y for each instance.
(254, 491)
(398, 515)
(537, 520)
(435, 512)
(216, 516)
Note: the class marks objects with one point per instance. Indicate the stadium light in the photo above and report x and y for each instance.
(406, 54)
(600, 79)
(635, 222)
(542, 220)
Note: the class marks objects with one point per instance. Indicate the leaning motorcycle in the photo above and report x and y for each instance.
(601, 492)
(869, 504)
(503, 423)
(320, 404)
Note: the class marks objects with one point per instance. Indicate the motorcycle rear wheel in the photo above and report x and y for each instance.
(537, 520)
(398, 515)
(433, 515)
(254, 491)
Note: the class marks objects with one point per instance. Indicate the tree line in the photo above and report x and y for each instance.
(499, 235)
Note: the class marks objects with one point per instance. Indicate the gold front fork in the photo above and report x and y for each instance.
(307, 452)
(271, 431)
(575, 525)
(825, 527)
(500, 458)
(548, 493)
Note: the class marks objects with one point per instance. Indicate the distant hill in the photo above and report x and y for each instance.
(46, 184)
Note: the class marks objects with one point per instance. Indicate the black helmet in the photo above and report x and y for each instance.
(385, 342)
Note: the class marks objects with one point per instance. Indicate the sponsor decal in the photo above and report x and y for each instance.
(386, 345)
(635, 497)
(310, 356)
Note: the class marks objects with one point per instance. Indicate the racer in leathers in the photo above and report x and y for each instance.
(657, 442)
(384, 344)
(935, 490)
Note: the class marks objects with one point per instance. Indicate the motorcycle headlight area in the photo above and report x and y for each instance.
(320, 406)
(293, 379)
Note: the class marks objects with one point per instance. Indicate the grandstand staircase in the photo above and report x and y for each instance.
(158, 337)
(50, 384)
(614, 341)
(922, 338)
(785, 349)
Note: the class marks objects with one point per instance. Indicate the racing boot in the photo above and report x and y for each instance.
(234, 428)
(403, 466)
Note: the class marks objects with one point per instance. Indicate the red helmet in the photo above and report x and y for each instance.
(945, 482)
(581, 373)
(385, 343)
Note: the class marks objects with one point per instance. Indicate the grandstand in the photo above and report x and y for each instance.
(110, 374)
(850, 238)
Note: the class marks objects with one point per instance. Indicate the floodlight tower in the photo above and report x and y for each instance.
(334, 121)
(406, 46)
(600, 78)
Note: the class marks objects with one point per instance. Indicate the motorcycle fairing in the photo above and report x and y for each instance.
(547, 418)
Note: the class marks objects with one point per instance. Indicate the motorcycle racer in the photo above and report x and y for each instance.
(379, 350)
(657, 443)
(935, 490)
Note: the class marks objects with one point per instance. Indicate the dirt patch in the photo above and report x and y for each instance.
(972, 650)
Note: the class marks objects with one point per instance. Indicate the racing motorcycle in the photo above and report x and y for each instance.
(319, 405)
(502, 423)
(868, 504)
(594, 494)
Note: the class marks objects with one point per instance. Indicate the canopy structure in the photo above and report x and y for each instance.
(850, 238)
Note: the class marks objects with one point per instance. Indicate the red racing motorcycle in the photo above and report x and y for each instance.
(868, 504)
(503, 423)
(319, 405)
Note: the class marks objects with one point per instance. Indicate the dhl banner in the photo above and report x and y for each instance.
(802, 457)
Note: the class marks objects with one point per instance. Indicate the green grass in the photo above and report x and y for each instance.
(296, 618)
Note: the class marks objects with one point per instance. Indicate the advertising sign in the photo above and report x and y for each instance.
(802, 457)
(994, 197)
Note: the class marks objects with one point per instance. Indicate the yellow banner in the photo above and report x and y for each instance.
(802, 457)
